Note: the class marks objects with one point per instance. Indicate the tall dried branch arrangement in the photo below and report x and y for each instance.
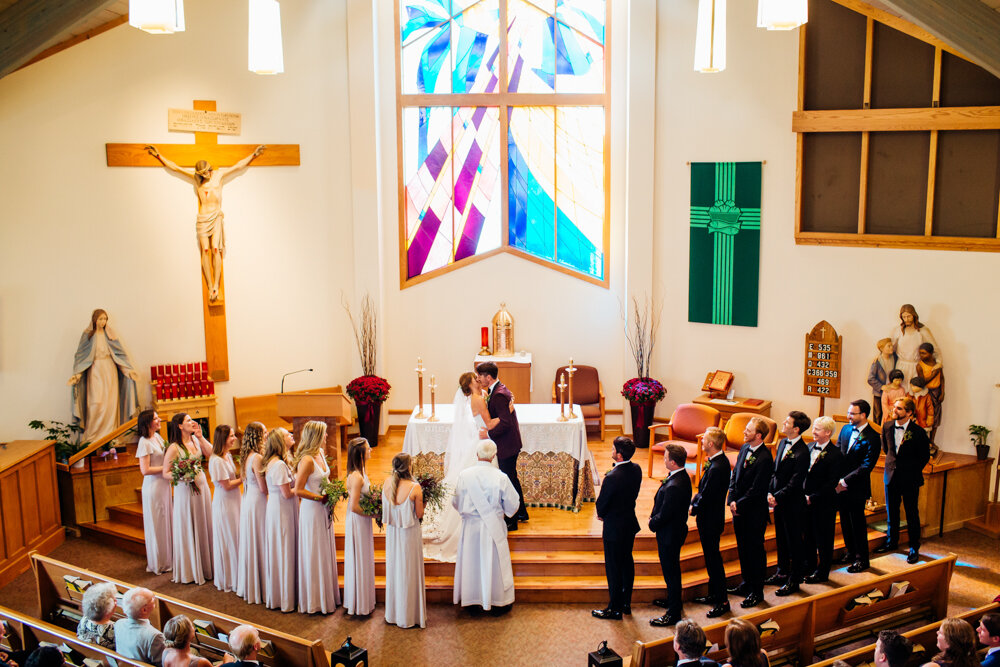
(365, 328)
(640, 333)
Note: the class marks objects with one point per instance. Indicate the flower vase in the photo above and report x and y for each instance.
(642, 419)
(368, 419)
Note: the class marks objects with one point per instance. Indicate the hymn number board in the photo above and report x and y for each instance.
(823, 361)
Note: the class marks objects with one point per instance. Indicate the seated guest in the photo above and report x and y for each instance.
(956, 641)
(14, 658)
(178, 634)
(892, 649)
(245, 642)
(743, 644)
(988, 631)
(134, 636)
(689, 644)
(45, 656)
(98, 606)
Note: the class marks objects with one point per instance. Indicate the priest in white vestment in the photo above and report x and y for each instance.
(483, 495)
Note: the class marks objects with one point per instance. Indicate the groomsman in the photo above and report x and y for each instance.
(616, 509)
(907, 451)
(748, 504)
(788, 501)
(820, 485)
(708, 507)
(669, 522)
(860, 445)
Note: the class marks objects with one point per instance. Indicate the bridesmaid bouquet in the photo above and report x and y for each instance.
(185, 470)
(333, 490)
(433, 489)
(371, 503)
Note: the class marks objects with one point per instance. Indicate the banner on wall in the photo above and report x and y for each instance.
(725, 243)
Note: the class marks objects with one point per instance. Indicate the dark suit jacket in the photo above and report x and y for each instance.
(507, 434)
(670, 509)
(709, 505)
(700, 662)
(905, 467)
(820, 485)
(858, 461)
(616, 501)
(243, 663)
(992, 660)
(749, 483)
(789, 473)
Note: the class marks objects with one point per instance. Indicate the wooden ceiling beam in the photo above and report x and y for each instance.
(27, 25)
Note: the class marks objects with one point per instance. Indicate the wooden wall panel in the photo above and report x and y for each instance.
(902, 70)
(964, 84)
(13, 529)
(967, 184)
(831, 173)
(834, 83)
(48, 503)
(897, 183)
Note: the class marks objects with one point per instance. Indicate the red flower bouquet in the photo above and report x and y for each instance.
(368, 389)
(643, 390)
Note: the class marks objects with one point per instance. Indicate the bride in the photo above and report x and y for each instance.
(441, 532)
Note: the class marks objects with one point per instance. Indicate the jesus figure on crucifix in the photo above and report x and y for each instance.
(209, 224)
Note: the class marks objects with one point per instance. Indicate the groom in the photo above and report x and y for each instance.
(506, 435)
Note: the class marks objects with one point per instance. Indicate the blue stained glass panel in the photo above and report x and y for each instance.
(531, 183)
(531, 51)
(475, 43)
(585, 16)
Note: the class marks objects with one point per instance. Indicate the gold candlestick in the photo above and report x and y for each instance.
(432, 385)
(569, 371)
(420, 389)
(562, 398)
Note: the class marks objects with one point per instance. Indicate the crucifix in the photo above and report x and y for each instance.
(205, 155)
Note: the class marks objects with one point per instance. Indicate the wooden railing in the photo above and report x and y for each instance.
(93, 447)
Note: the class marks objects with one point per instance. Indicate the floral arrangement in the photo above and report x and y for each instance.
(368, 389)
(333, 490)
(371, 503)
(643, 390)
(434, 491)
(67, 437)
(185, 469)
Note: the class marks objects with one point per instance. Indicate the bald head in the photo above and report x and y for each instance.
(138, 603)
(245, 642)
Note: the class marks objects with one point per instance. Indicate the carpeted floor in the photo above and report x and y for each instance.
(531, 634)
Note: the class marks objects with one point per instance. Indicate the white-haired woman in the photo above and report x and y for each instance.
(319, 590)
(98, 608)
(402, 509)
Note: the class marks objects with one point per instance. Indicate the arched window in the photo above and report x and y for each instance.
(503, 134)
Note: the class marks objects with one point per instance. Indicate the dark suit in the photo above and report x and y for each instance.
(708, 507)
(699, 662)
(507, 436)
(616, 508)
(789, 510)
(856, 468)
(669, 521)
(244, 663)
(992, 660)
(748, 489)
(820, 488)
(904, 475)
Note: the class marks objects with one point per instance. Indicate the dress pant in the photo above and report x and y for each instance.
(909, 496)
(619, 566)
(854, 526)
(669, 551)
(749, 531)
(822, 521)
(508, 466)
(709, 538)
(788, 525)
(877, 408)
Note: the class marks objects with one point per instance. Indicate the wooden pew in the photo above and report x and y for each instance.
(29, 632)
(58, 605)
(925, 636)
(824, 620)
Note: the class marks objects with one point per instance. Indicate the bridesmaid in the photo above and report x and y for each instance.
(319, 590)
(359, 542)
(192, 511)
(156, 502)
(402, 510)
(280, 522)
(250, 568)
(225, 508)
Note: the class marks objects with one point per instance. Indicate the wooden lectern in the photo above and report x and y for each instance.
(331, 407)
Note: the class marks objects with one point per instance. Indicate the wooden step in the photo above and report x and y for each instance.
(130, 514)
(125, 536)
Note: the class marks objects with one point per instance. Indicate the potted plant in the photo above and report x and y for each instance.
(642, 391)
(979, 435)
(369, 391)
(67, 437)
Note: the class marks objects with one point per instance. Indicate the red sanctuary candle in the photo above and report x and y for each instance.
(485, 337)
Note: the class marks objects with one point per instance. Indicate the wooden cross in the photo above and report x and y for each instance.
(206, 146)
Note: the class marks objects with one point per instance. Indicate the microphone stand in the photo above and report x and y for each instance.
(301, 370)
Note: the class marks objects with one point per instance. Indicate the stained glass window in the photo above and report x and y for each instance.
(465, 83)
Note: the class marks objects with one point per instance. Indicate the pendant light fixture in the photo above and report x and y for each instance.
(710, 40)
(157, 17)
(264, 54)
(782, 14)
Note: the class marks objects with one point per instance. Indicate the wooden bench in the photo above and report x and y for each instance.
(824, 620)
(27, 633)
(61, 605)
(925, 637)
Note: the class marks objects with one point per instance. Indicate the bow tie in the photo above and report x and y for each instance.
(899, 428)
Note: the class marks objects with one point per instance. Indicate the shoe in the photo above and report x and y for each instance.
(663, 603)
(913, 557)
(704, 599)
(607, 613)
(885, 548)
(718, 610)
(500, 611)
(737, 590)
(512, 526)
(817, 578)
(666, 619)
(857, 566)
(787, 589)
(776, 580)
(627, 610)
(752, 600)
(522, 519)
(846, 558)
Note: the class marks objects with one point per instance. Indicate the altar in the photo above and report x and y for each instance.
(556, 468)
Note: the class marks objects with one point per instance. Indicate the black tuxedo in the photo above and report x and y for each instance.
(699, 662)
(616, 508)
(748, 489)
(789, 509)
(669, 521)
(507, 436)
(821, 509)
(856, 467)
(904, 475)
(708, 507)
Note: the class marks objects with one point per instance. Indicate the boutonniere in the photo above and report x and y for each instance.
(787, 453)
(821, 454)
(750, 460)
(907, 434)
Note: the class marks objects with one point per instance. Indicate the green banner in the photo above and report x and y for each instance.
(725, 243)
